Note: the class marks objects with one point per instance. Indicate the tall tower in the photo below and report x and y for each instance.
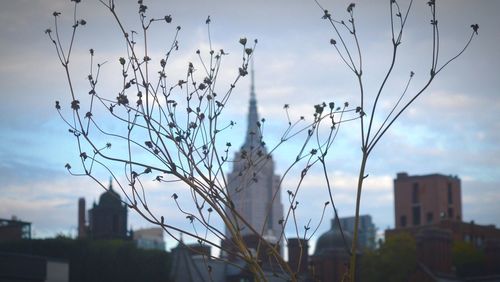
(82, 227)
(252, 185)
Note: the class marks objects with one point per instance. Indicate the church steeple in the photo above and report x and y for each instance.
(253, 136)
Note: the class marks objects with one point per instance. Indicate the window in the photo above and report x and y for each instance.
(479, 241)
(430, 217)
(402, 221)
(450, 194)
(442, 215)
(26, 231)
(415, 193)
(450, 212)
(416, 215)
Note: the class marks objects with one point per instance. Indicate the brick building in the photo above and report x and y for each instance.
(14, 229)
(106, 219)
(426, 199)
(429, 207)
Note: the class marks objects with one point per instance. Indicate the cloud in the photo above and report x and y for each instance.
(453, 128)
(47, 201)
(480, 201)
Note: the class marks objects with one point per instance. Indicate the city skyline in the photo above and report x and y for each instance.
(453, 129)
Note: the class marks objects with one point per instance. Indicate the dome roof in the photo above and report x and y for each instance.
(332, 240)
(110, 198)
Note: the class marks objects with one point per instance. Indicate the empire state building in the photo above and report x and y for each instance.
(252, 185)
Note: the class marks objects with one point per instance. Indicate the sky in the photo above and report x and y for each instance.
(452, 129)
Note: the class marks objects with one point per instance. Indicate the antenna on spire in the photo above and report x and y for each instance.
(110, 182)
(253, 137)
(252, 81)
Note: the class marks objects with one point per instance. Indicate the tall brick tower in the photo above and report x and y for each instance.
(426, 199)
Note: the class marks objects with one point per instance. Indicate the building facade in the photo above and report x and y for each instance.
(366, 230)
(29, 268)
(149, 238)
(107, 219)
(254, 191)
(429, 208)
(426, 199)
(253, 187)
(14, 229)
(331, 256)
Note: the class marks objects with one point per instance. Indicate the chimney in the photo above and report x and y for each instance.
(82, 228)
(298, 255)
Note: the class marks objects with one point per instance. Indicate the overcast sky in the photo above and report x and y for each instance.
(453, 129)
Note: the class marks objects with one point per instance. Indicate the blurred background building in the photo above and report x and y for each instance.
(106, 219)
(14, 229)
(149, 238)
(429, 208)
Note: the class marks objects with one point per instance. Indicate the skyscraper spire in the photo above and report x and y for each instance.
(110, 183)
(252, 185)
(253, 136)
(252, 82)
